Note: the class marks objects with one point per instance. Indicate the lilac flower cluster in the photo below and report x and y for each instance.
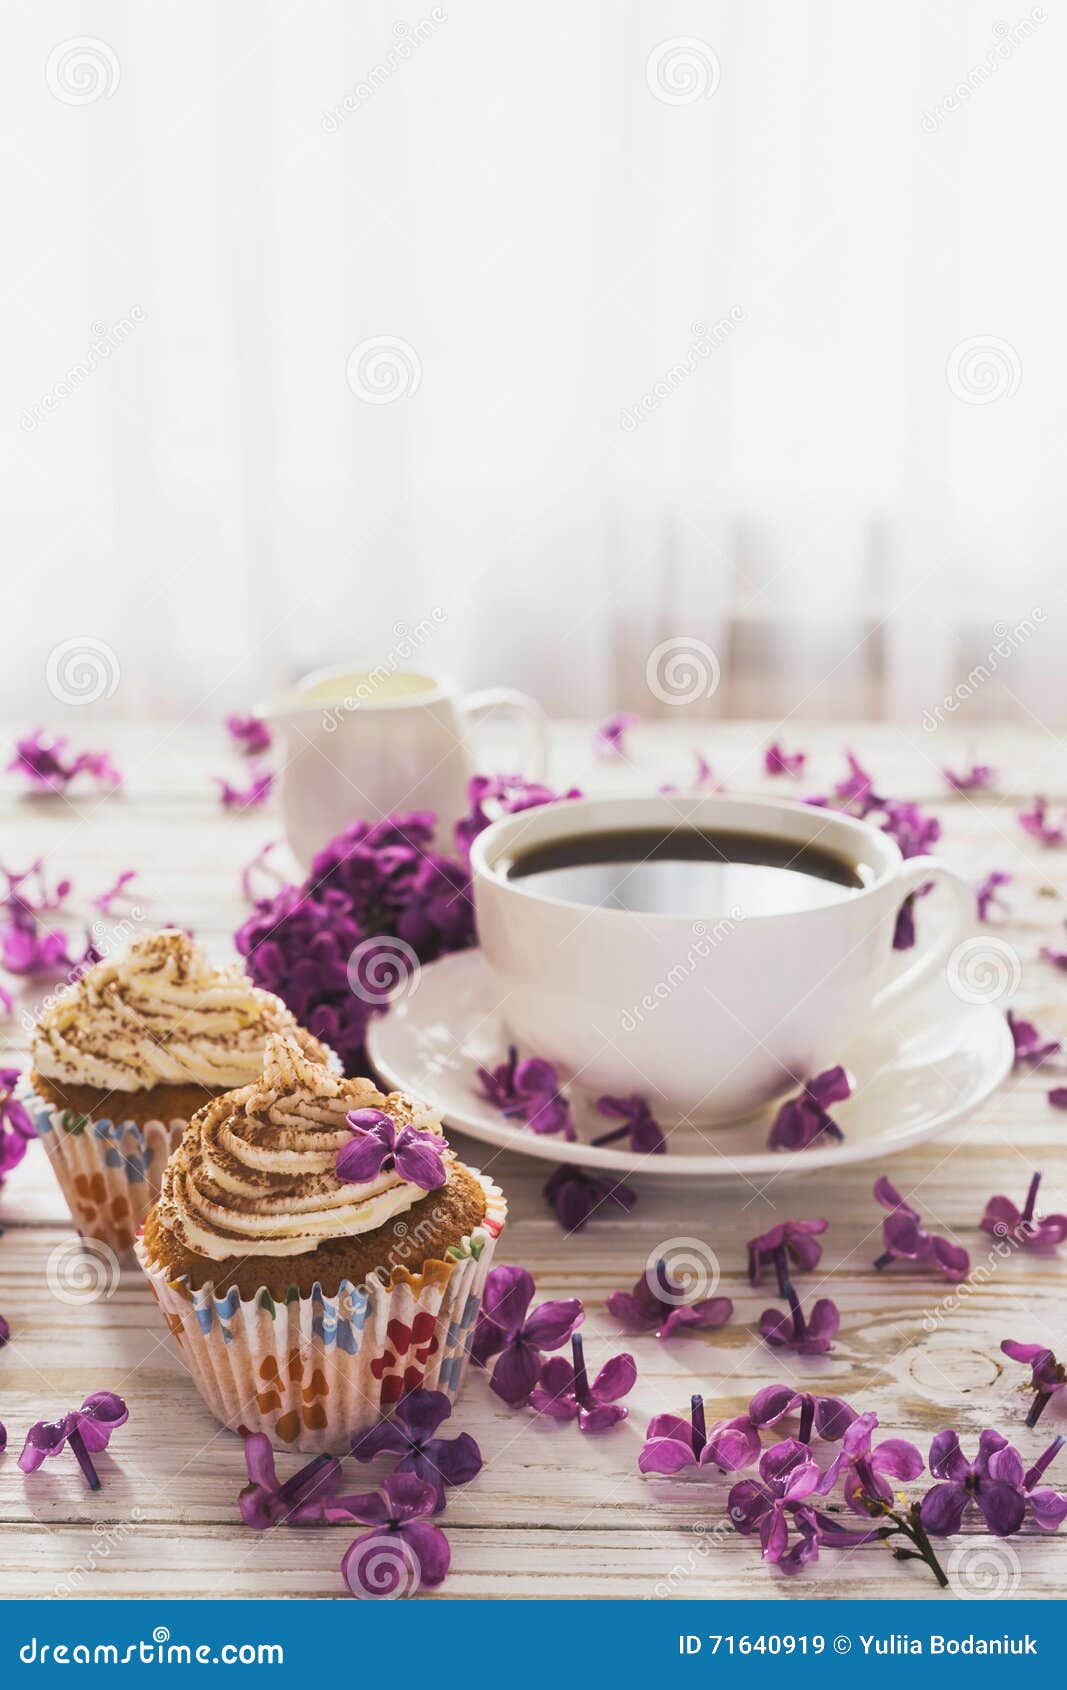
(46, 764)
(27, 947)
(789, 1503)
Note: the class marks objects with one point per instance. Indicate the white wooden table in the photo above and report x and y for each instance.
(553, 1513)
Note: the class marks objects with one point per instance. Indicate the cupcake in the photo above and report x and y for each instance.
(318, 1251)
(124, 1057)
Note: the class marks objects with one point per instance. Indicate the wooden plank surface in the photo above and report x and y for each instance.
(553, 1513)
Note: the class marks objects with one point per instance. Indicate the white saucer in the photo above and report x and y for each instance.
(915, 1075)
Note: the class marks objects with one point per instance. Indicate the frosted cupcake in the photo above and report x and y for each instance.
(123, 1058)
(318, 1251)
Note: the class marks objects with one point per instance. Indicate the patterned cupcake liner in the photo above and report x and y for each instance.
(314, 1371)
(109, 1171)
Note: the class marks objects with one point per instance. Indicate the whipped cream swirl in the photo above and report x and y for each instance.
(255, 1174)
(160, 1014)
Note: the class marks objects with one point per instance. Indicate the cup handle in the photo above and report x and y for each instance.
(918, 871)
(525, 709)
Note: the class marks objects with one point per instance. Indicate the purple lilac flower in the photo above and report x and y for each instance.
(377, 1147)
(507, 1330)
(16, 1128)
(3, 1438)
(576, 1194)
(528, 1091)
(672, 1444)
(250, 797)
(404, 1551)
(704, 778)
(5, 1332)
(914, 833)
(992, 1483)
(1039, 823)
(799, 1241)
(777, 761)
(411, 1433)
(374, 878)
(978, 778)
(987, 894)
(906, 1240)
(1048, 1507)
(1004, 1220)
(85, 1430)
(865, 1469)
(804, 1119)
(104, 900)
(44, 761)
(824, 1417)
(566, 1393)
(1047, 1375)
(264, 1502)
(1031, 1047)
(504, 795)
(1058, 1097)
(250, 734)
(26, 948)
(855, 794)
(639, 1125)
(807, 1336)
(608, 741)
(664, 1306)
(260, 864)
(777, 1503)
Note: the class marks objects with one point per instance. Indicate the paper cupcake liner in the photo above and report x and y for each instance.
(314, 1371)
(109, 1171)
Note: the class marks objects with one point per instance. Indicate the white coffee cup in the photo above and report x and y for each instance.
(362, 743)
(707, 1015)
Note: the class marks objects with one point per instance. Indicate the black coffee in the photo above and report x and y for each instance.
(686, 871)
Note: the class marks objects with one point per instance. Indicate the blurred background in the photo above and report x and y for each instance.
(536, 336)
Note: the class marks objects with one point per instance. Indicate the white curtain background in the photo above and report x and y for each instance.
(849, 489)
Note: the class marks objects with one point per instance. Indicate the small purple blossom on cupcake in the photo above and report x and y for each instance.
(639, 1125)
(528, 1091)
(806, 1335)
(978, 778)
(85, 1431)
(575, 1195)
(411, 1433)
(1022, 1226)
(798, 1239)
(378, 1146)
(507, 1330)
(404, 1551)
(609, 738)
(778, 761)
(1048, 1377)
(671, 1309)
(906, 1240)
(672, 1444)
(44, 761)
(1031, 1046)
(250, 734)
(565, 1391)
(1042, 825)
(804, 1119)
(987, 893)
